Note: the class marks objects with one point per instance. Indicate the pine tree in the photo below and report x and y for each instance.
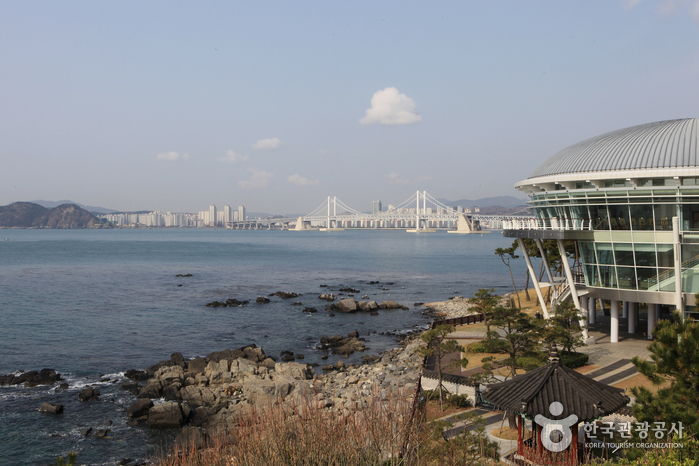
(484, 301)
(675, 353)
(437, 345)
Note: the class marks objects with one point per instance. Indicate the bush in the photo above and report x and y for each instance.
(488, 346)
(573, 360)
(460, 401)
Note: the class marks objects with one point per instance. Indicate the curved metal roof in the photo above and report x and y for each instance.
(663, 144)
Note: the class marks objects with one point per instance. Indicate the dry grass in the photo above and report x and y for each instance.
(639, 380)
(507, 433)
(586, 369)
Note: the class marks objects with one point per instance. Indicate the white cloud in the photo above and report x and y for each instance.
(267, 144)
(232, 157)
(259, 179)
(394, 178)
(389, 107)
(171, 156)
(299, 180)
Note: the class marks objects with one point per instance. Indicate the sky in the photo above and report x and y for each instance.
(276, 105)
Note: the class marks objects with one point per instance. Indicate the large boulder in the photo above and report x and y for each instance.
(196, 365)
(136, 375)
(198, 396)
(346, 305)
(390, 305)
(166, 416)
(169, 374)
(88, 393)
(259, 390)
(139, 408)
(154, 389)
(243, 366)
(49, 408)
(294, 370)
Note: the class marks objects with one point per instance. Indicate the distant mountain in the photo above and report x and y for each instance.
(30, 215)
(89, 208)
(503, 201)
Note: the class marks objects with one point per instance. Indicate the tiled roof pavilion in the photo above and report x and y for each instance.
(532, 393)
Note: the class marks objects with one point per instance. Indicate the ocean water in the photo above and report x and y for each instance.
(93, 304)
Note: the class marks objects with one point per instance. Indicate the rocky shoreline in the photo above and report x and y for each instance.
(206, 396)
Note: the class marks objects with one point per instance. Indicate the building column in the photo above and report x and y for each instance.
(651, 320)
(573, 292)
(592, 306)
(534, 277)
(633, 307)
(625, 313)
(584, 306)
(614, 327)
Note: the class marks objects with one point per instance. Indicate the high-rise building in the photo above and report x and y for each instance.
(227, 215)
(212, 215)
(376, 207)
(241, 213)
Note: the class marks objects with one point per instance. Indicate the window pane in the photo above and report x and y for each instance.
(690, 280)
(690, 256)
(666, 280)
(587, 251)
(663, 216)
(623, 253)
(645, 255)
(690, 217)
(598, 215)
(604, 253)
(666, 255)
(646, 276)
(591, 275)
(607, 276)
(627, 278)
(619, 217)
(642, 216)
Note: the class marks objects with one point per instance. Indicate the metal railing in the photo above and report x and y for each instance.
(563, 224)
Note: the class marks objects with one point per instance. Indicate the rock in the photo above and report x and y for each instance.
(390, 305)
(294, 370)
(88, 393)
(154, 368)
(154, 389)
(182, 275)
(191, 438)
(102, 433)
(310, 310)
(297, 303)
(254, 354)
(327, 296)
(285, 294)
(170, 374)
(201, 414)
(259, 390)
(172, 391)
(165, 416)
(339, 365)
(328, 367)
(349, 290)
(346, 305)
(286, 356)
(353, 334)
(196, 365)
(64, 386)
(262, 299)
(133, 374)
(86, 431)
(139, 408)
(176, 359)
(198, 396)
(49, 408)
(131, 387)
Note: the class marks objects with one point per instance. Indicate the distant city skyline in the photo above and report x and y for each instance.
(174, 106)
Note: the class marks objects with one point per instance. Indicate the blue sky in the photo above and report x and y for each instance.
(276, 105)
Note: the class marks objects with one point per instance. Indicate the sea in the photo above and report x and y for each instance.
(92, 304)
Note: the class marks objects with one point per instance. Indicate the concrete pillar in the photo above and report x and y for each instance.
(614, 327)
(633, 308)
(651, 320)
(625, 313)
(593, 310)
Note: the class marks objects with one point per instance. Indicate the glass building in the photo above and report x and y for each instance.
(630, 199)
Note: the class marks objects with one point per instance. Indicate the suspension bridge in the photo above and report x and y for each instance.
(419, 213)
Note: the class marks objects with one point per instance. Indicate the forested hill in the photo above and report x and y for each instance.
(30, 215)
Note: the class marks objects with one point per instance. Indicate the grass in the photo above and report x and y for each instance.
(507, 433)
(639, 380)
